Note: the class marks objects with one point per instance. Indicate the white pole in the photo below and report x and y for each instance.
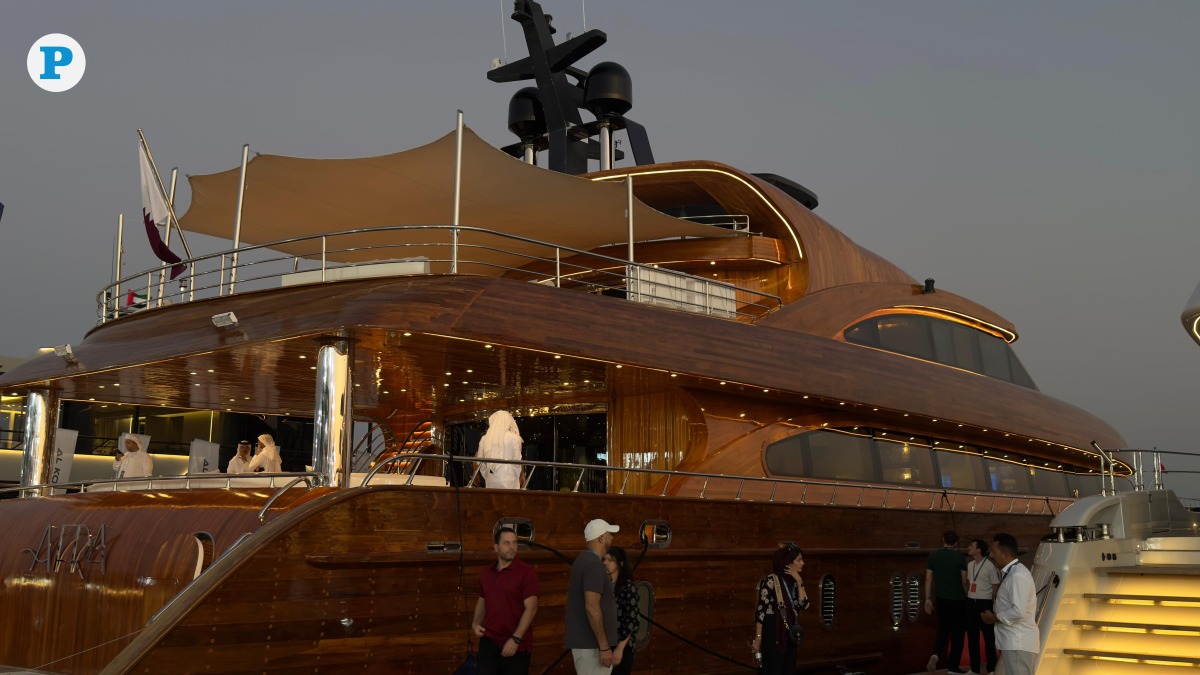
(120, 251)
(629, 211)
(457, 192)
(237, 221)
(162, 276)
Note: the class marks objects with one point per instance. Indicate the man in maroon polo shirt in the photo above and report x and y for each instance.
(503, 620)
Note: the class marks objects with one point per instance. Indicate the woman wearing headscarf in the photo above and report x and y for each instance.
(781, 596)
(267, 460)
(136, 462)
(502, 441)
(628, 621)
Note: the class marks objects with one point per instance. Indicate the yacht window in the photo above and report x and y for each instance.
(1019, 374)
(523, 527)
(786, 458)
(914, 597)
(1047, 482)
(906, 334)
(960, 471)
(1007, 477)
(841, 456)
(995, 357)
(897, 600)
(656, 533)
(828, 600)
(905, 463)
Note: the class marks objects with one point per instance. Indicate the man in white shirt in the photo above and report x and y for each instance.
(982, 580)
(1016, 605)
(241, 461)
(136, 462)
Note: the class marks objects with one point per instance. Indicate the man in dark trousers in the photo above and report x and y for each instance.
(508, 601)
(946, 580)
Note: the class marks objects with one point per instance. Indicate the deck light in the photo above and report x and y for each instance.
(225, 320)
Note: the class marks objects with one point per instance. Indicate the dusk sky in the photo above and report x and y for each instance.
(1040, 158)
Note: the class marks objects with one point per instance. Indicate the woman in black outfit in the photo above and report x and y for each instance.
(781, 596)
(617, 564)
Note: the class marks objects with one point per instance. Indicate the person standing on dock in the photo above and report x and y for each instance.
(781, 596)
(508, 601)
(946, 579)
(1016, 603)
(983, 579)
(591, 631)
(267, 460)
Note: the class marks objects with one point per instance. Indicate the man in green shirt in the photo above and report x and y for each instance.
(946, 581)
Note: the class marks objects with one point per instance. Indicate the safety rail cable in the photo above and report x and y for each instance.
(610, 274)
(998, 501)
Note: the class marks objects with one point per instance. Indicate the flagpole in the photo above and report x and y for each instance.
(163, 193)
(237, 222)
(120, 252)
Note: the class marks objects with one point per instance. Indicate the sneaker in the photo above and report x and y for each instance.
(932, 665)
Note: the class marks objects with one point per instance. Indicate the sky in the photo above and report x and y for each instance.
(1042, 159)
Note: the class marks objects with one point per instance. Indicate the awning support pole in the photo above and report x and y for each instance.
(237, 221)
(458, 142)
(120, 252)
(629, 211)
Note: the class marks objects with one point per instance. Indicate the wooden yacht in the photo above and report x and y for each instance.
(690, 351)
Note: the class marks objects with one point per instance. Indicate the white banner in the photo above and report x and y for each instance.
(202, 458)
(64, 455)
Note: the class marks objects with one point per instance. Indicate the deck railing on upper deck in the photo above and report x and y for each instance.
(448, 249)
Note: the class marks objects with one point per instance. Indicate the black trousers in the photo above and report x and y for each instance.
(491, 663)
(626, 666)
(951, 616)
(974, 626)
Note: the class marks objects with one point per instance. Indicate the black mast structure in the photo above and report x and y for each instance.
(547, 117)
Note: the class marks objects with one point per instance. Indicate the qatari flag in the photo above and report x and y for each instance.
(154, 214)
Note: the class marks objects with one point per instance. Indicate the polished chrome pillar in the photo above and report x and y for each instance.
(333, 417)
(41, 419)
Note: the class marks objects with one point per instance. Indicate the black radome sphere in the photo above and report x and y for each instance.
(609, 89)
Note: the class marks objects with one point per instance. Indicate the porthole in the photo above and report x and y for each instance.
(522, 526)
(645, 591)
(897, 600)
(828, 599)
(204, 552)
(656, 533)
(914, 597)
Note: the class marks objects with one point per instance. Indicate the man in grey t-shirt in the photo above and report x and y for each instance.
(591, 629)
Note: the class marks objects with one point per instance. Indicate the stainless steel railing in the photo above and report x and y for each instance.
(204, 480)
(448, 249)
(826, 492)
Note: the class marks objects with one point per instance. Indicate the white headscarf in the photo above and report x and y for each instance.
(500, 423)
(266, 440)
(136, 441)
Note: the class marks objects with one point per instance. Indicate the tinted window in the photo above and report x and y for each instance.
(960, 471)
(995, 357)
(785, 457)
(1051, 483)
(1006, 477)
(1019, 374)
(863, 334)
(905, 463)
(840, 456)
(906, 334)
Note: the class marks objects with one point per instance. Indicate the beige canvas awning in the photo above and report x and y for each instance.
(290, 197)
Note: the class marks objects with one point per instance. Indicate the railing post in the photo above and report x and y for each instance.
(322, 258)
(237, 222)
(557, 268)
(221, 281)
(454, 250)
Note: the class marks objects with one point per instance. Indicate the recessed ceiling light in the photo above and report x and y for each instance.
(470, 370)
(303, 356)
(116, 384)
(408, 335)
(211, 370)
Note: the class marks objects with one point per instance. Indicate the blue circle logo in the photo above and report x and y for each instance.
(56, 62)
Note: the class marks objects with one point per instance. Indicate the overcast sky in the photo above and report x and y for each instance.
(1040, 158)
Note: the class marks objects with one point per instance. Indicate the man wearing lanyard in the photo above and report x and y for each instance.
(982, 578)
(1016, 602)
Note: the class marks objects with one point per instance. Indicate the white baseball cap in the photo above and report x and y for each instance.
(597, 527)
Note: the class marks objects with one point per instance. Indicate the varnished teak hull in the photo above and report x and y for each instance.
(340, 581)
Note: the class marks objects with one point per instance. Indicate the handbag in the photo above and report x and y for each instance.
(468, 666)
(795, 634)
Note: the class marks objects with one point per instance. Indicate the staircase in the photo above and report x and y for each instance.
(1125, 603)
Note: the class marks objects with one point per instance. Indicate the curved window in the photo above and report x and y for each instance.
(897, 600)
(914, 597)
(864, 454)
(942, 341)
